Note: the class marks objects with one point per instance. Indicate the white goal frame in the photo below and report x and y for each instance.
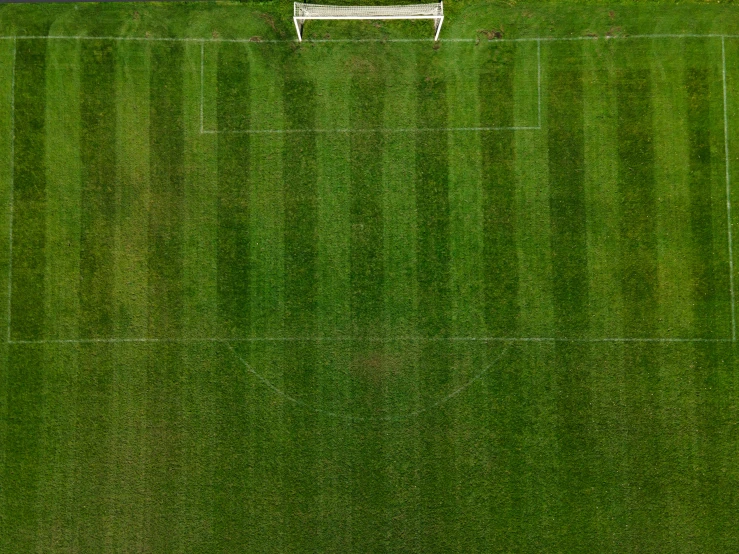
(303, 12)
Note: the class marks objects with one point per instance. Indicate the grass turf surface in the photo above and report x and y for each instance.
(263, 297)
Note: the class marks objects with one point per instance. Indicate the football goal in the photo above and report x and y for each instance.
(303, 12)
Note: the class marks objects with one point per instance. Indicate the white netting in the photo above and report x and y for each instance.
(309, 11)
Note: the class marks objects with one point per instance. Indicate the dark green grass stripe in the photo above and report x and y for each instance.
(29, 198)
(366, 241)
(697, 83)
(495, 91)
(164, 391)
(567, 193)
(434, 317)
(366, 279)
(97, 151)
(637, 203)
(234, 272)
(167, 145)
(301, 293)
(92, 422)
(638, 213)
(20, 512)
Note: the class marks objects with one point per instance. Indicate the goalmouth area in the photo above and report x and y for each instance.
(368, 292)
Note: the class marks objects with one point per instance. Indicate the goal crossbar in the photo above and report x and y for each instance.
(303, 12)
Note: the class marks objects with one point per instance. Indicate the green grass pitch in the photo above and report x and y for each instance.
(368, 293)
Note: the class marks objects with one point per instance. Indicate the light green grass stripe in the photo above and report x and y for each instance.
(609, 454)
(714, 387)
(63, 178)
(672, 181)
(130, 289)
(533, 223)
(333, 183)
(465, 193)
(601, 191)
(132, 195)
(267, 304)
(402, 371)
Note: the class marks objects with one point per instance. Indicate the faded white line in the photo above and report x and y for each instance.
(728, 196)
(12, 191)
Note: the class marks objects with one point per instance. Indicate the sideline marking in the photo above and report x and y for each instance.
(318, 41)
(12, 190)
(202, 82)
(115, 340)
(398, 417)
(728, 196)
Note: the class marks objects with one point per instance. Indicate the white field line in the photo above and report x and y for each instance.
(122, 340)
(377, 130)
(202, 83)
(450, 40)
(728, 195)
(538, 78)
(393, 417)
(12, 190)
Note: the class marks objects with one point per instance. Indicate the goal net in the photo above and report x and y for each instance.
(303, 12)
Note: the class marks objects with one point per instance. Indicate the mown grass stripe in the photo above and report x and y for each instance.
(570, 293)
(567, 192)
(164, 377)
(637, 202)
(234, 271)
(637, 212)
(24, 377)
(97, 151)
(233, 429)
(495, 91)
(366, 278)
(705, 288)
(434, 305)
(7, 68)
(64, 180)
(98, 192)
(29, 192)
(300, 194)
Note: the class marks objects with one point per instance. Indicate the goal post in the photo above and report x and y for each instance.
(303, 12)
